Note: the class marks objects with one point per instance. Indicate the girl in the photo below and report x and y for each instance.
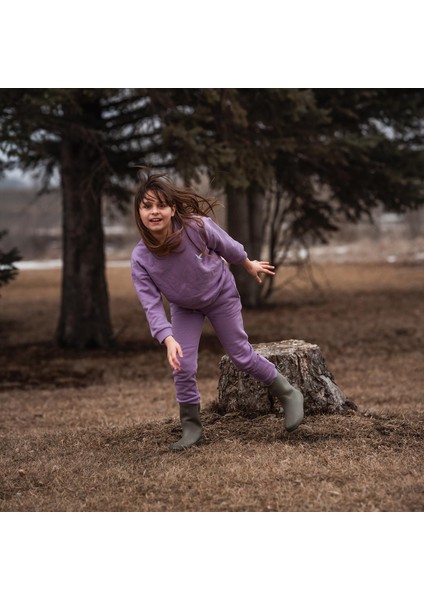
(180, 255)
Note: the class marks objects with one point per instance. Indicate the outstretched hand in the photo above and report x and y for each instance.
(254, 267)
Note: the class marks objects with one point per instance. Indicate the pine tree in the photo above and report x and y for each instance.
(306, 160)
(95, 138)
(91, 137)
(297, 161)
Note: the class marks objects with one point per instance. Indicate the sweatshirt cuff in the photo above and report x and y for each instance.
(242, 259)
(163, 334)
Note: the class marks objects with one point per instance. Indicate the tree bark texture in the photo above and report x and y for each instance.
(304, 367)
(84, 316)
(245, 211)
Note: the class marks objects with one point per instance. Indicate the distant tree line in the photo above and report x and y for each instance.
(293, 164)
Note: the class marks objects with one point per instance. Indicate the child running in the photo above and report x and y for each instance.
(183, 254)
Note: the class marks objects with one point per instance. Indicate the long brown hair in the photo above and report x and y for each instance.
(187, 202)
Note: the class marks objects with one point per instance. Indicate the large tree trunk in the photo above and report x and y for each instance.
(245, 219)
(301, 363)
(84, 317)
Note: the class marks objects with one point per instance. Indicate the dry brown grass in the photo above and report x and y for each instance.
(90, 431)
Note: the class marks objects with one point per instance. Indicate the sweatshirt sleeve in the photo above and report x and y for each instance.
(219, 241)
(151, 301)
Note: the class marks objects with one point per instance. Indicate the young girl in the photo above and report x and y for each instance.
(180, 255)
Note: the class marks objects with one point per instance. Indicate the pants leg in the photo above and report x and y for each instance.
(187, 328)
(226, 318)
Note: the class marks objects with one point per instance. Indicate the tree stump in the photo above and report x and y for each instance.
(301, 363)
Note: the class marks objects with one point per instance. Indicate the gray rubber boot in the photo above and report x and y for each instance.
(192, 428)
(291, 399)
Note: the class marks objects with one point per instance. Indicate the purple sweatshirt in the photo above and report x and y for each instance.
(187, 277)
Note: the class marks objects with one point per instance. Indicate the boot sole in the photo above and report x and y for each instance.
(294, 428)
(198, 443)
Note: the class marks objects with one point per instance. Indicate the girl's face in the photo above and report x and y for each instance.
(156, 216)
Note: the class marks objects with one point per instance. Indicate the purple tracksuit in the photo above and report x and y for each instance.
(198, 284)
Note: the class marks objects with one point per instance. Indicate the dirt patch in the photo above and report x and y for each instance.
(91, 431)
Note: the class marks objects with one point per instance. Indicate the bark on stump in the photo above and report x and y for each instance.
(301, 363)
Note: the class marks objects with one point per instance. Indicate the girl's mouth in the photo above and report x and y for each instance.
(155, 220)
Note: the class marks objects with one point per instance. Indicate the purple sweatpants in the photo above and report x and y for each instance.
(226, 319)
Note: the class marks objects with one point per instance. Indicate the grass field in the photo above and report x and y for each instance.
(91, 431)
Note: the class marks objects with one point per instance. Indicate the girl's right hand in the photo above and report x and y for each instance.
(174, 350)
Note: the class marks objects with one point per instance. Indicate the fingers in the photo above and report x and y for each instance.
(263, 266)
(172, 356)
(266, 268)
(175, 363)
(179, 351)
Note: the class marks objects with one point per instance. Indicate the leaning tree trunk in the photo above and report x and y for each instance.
(301, 363)
(84, 316)
(245, 218)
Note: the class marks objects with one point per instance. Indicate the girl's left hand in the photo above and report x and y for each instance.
(254, 267)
